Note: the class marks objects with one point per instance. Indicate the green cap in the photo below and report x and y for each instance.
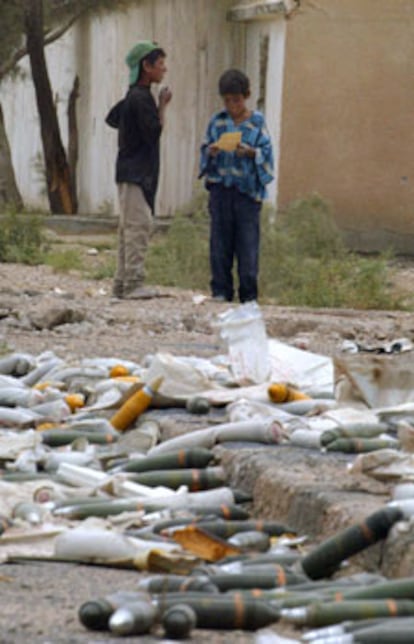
(134, 57)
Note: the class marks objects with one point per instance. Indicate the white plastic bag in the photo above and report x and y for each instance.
(182, 377)
(244, 331)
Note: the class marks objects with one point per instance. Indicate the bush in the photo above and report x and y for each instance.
(105, 270)
(310, 228)
(65, 260)
(22, 239)
(304, 262)
(303, 259)
(180, 256)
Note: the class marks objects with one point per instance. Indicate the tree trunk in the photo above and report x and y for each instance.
(57, 168)
(9, 192)
(73, 139)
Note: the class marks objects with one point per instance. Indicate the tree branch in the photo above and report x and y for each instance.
(59, 31)
(50, 37)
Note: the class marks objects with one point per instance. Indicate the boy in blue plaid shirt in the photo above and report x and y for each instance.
(236, 181)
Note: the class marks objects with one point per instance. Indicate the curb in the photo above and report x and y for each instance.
(77, 225)
(308, 491)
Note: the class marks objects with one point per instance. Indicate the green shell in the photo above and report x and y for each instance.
(222, 612)
(326, 557)
(179, 620)
(182, 458)
(325, 614)
(198, 405)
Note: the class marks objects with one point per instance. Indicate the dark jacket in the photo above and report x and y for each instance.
(139, 130)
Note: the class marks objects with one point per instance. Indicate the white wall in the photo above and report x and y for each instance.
(275, 29)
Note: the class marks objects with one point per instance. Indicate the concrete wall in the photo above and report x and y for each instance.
(200, 44)
(272, 30)
(348, 114)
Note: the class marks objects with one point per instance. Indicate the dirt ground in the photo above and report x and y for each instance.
(40, 601)
(41, 309)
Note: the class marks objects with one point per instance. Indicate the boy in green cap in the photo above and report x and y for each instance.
(139, 121)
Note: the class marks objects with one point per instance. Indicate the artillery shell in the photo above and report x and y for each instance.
(341, 583)
(178, 583)
(195, 479)
(207, 513)
(228, 612)
(392, 589)
(263, 560)
(134, 618)
(229, 512)
(58, 437)
(183, 458)
(79, 500)
(165, 527)
(29, 511)
(24, 476)
(16, 364)
(251, 540)
(323, 560)
(271, 568)
(323, 614)
(273, 579)
(267, 559)
(356, 430)
(98, 509)
(399, 631)
(135, 405)
(280, 392)
(178, 621)
(197, 405)
(360, 445)
(326, 632)
(226, 529)
(241, 496)
(95, 614)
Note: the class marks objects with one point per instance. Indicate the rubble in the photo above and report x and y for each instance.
(173, 492)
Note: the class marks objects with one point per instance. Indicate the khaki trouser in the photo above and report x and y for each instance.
(134, 230)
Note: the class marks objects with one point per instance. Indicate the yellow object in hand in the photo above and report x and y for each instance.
(229, 141)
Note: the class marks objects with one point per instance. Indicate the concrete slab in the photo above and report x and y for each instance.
(310, 491)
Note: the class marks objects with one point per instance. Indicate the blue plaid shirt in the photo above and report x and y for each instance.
(248, 175)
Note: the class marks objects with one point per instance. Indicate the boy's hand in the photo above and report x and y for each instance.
(164, 96)
(244, 150)
(213, 149)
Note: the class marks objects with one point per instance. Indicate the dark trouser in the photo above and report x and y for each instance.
(234, 232)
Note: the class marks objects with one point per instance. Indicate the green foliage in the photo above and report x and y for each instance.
(106, 270)
(303, 260)
(22, 239)
(310, 229)
(55, 14)
(64, 261)
(58, 11)
(180, 256)
(11, 27)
